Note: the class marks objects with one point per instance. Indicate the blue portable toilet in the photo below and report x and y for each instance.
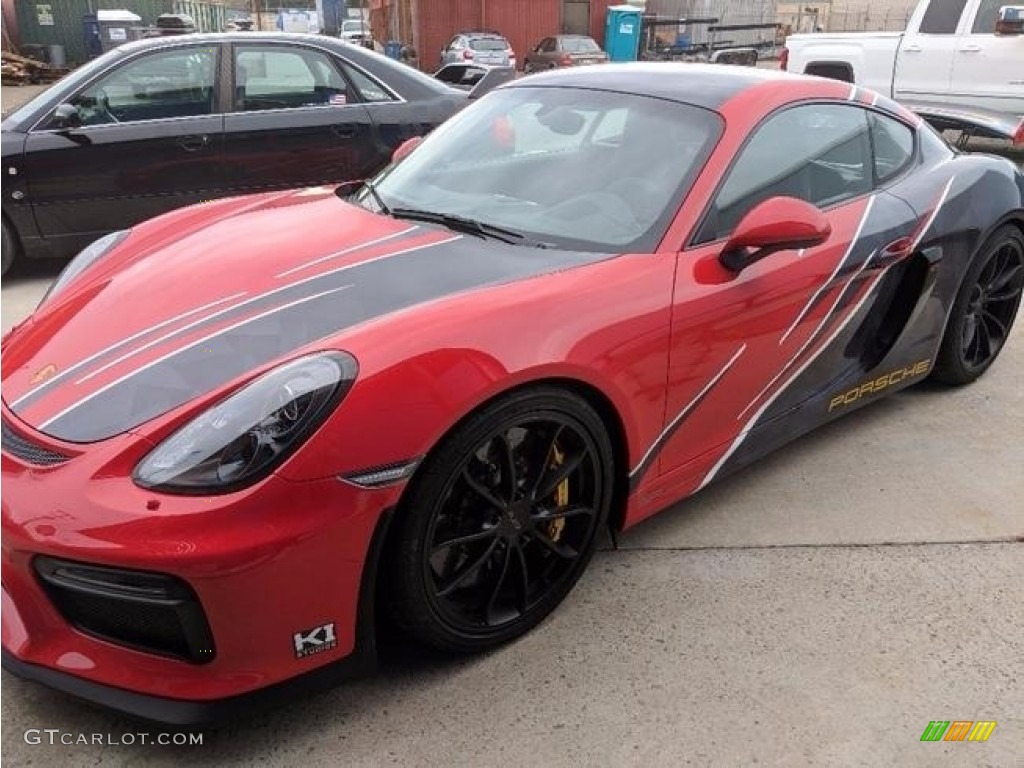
(622, 32)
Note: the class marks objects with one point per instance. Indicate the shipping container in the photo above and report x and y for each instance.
(59, 22)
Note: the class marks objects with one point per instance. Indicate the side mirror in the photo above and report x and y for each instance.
(1010, 20)
(777, 224)
(405, 148)
(66, 116)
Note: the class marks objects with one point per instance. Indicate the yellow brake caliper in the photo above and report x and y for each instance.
(556, 526)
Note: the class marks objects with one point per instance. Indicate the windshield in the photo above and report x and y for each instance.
(579, 45)
(573, 168)
(488, 44)
(354, 26)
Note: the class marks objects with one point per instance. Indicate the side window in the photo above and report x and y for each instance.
(988, 14)
(831, 163)
(276, 77)
(549, 45)
(894, 147)
(369, 89)
(942, 17)
(178, 83)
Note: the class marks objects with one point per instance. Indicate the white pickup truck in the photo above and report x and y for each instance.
(959, 64)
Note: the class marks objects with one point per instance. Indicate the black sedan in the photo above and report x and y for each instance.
(161, 123)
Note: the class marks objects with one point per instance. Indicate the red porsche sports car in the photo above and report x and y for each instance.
(238, 434)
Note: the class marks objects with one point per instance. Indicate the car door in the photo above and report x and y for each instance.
(739, 341)
(142, 138)
(295, 119)
(924, 62)
(543, 56)
(988, 69)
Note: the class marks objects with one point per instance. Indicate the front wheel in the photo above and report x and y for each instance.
(984, 310)
(527, 68)
(501, 520)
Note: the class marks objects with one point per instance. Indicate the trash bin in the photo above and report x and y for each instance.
(393, 49)
(622, 32)
(117, 27)
(56, 56)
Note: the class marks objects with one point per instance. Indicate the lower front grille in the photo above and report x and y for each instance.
(24, 449)
(151, 612)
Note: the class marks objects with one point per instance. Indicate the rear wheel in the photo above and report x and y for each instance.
(984, 310)
(10, 248)
(501, 521)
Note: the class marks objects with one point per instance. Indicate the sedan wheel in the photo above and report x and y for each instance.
(502, 520)
(985, 309)
(10, 247)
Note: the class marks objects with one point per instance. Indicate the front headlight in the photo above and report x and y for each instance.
(241, 439)
(85, 258)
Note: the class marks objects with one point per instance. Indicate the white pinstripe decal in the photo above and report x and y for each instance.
(760, 411)
(824, 286)
(64, 374)
(686, 409)
(196, 343)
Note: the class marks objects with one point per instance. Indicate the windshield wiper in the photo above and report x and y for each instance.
(463, 224)
(377, 198)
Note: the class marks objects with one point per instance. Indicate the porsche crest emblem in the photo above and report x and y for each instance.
(44, 374)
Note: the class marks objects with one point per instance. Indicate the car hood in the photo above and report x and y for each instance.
(195, 300)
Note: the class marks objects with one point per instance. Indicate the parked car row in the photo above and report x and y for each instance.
(490, 48)
(161, 123)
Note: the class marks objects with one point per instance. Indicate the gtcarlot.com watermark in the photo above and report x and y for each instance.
(55, 736)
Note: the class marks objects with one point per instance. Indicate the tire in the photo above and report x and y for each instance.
(984, 310)
(527, 68)
(10, 248)
(519, 562)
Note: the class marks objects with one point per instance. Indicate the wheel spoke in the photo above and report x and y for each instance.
(558, 514)
(471, 569)
(493, 600)
(1003, 280)
(554, 477)
(970, 333)
(524, 585)
(481, 490)
(467, 539)
(508, 472)
(562, 550)
(996, 327)
(984, 343)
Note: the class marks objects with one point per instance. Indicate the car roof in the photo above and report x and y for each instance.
(702, 85)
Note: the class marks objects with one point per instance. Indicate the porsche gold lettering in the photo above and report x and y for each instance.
(878, 384)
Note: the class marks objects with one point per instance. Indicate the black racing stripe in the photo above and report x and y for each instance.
(216, 316)
(314, 310)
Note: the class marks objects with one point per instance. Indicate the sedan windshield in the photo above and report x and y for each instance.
(579, 45)
(564, 167)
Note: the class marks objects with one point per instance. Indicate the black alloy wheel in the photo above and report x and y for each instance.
(985, 309)
(502, 521)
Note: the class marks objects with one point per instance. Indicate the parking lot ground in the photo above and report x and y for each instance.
(820, 608)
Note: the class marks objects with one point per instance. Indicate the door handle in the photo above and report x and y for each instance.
(193, 143)
(971, 49)
(912, 49)
(345, 130)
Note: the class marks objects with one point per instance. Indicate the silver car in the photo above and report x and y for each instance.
(487, 48)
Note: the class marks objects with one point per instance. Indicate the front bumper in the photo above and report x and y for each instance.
(265, 563)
